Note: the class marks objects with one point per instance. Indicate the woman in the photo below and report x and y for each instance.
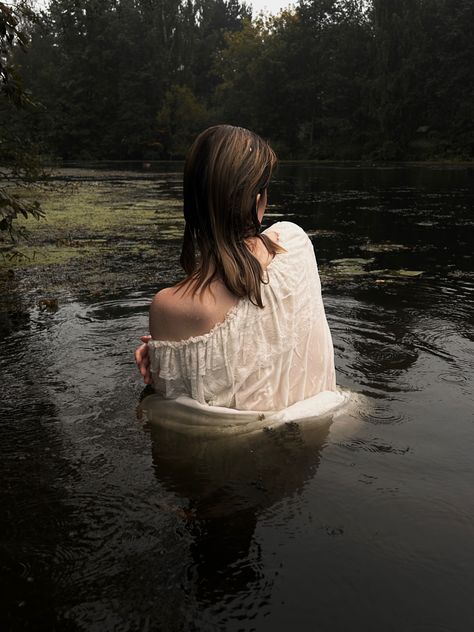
(246, 329)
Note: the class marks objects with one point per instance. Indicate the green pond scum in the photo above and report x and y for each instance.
(95, 219)
(91, 224)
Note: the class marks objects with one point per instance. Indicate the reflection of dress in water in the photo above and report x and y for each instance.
(225, 484)
(258, 359)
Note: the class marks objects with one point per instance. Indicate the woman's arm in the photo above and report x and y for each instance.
(158, 323)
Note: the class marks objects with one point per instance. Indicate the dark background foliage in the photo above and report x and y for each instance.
(331, 79)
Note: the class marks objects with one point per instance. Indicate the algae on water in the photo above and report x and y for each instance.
(96, 218)
(398, 273)
(350, 266)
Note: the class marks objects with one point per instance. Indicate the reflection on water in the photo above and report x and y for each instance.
(112, 523)
(226, 484)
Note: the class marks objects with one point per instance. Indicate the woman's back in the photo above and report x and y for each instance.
(177, 313)
(256, 359)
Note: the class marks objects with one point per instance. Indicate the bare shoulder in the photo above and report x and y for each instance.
(163, 304)
(177, 315)
(164, 300)
(168, 311)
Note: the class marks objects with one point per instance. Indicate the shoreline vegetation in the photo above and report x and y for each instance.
(315, 161)
(116, 82)
(326, 80)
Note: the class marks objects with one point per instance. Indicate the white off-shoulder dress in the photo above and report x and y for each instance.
(258, 359)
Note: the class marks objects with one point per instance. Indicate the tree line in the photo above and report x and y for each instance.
(328, 79)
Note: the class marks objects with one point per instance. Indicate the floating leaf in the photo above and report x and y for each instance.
(351, 266)
(398, 273)
(409, 273)
(387, 247)
(352, 261)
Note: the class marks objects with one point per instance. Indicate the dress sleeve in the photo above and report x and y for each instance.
(298, 245)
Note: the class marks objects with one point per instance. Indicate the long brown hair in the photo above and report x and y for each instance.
(225, 169)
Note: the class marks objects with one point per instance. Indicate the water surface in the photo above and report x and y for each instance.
(367, 523)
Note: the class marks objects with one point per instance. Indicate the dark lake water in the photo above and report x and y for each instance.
(366, 523)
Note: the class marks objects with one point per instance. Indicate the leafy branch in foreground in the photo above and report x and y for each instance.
(22, 164)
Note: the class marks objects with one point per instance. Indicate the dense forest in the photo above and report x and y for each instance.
(328, 79)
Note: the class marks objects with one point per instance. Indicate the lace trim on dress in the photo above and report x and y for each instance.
(176, 344)
(258, 359)
(229, 317)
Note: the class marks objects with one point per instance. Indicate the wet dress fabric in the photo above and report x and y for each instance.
(268, 359)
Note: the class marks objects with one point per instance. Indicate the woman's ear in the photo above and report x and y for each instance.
(261, 203)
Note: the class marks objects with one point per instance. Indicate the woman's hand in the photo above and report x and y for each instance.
(143, 360)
